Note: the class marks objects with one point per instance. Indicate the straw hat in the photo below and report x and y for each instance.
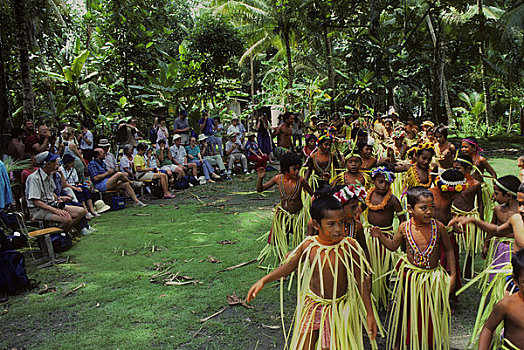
(201, 137)
(101, 207)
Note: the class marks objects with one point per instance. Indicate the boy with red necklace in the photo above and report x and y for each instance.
(450, 184)
(420, 271)
(382, 207)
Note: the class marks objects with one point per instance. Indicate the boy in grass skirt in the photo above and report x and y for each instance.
(498, 249)
(382, 208)
(421, 311)
(290, 215)
(333, 301)
(501, 284)
(510, 311)
(469, 203)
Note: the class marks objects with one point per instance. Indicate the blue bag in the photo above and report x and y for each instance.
(13, 276)
(61, 242)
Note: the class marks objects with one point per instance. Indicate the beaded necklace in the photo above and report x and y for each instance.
(421, 258)
(317, 167)
(381, 205)
(350, 230)
(346, 179)
(285, 198)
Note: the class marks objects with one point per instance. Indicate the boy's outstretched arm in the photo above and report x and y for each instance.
(282, 271)
(390, 244)
(450, 258)
(263, 187)
(494, 319)
(484, 226)
(306, 186)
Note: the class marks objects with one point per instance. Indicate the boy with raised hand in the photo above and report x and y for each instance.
(509, 310)
(333, 301)
(421, 311)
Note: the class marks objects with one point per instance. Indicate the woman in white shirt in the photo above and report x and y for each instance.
(70, 180)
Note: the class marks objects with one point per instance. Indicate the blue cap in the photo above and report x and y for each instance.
(45, 157)
(183, 112)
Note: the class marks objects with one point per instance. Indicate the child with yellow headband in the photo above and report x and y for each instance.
(353, 175)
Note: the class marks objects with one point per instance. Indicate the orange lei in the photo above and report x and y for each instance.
(381, 205)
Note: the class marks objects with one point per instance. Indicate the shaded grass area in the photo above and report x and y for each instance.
(120, 307)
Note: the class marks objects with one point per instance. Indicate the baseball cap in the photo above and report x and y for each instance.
(45, 157)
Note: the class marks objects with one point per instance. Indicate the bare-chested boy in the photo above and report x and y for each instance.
(365, 147)
(509, 310)
(382, 208)
(420, 272)
(290, 216)
(444, 150)
(284, 134)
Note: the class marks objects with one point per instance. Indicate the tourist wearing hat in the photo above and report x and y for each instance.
(162, 132)
(179, 156)
(71, 181)
(207, 128)
(71, 148)
(110, 159)
(209, 153)
(238, 128)
(253, 152)
(43, 203)
(107, 180)
(194, 156)
(234, 153)
(163, 155)
(182, 128)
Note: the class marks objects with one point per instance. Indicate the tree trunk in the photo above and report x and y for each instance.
(25, 67)
(509, 116)
(291, 73)
(330, 69)
(485, 88)
(5, 116)
(252, 72)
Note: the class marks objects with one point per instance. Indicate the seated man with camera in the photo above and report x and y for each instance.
(43, 203)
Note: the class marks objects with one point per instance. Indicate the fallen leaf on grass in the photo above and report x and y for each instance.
(155, 232)
(168, 278)
(176, 206)
(199, 233)
(47, 289)
(162, 205)
(141, 214)
(213, 260)
(226, 242)
(232, 299)
(4, 311)
(270, 327)
(97, 304)
(239, 265)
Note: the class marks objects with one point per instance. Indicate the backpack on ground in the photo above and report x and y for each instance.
(182, 182)
(13, 276)
(61, 242)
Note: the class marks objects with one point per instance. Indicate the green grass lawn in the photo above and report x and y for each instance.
(120, 308)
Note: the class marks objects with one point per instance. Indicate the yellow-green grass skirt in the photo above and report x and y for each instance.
(471, 241)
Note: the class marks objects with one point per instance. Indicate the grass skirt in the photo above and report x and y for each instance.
(507, 345)
(499, 254)
(487, 200)
(471, 241)
(339, 321)
(491, 295)
(287, 232)
(382, 262)
(421, 298)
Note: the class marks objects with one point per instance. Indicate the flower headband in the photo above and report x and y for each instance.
(471, 142)
(426, 145)
(350, 192)
(382, 170)
(451, 186)
(398, 134)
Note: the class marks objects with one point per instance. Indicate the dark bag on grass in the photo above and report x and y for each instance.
(182, 183)
(16, 240)
(61, 242)
(193, 180)
(13, 276)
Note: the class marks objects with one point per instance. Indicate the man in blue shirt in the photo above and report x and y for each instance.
(207, 127)
(106, 180)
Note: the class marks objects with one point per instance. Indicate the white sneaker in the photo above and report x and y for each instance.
(140, 204)
(96, 214)
(229, 172)
(89, 216)
(85, 231)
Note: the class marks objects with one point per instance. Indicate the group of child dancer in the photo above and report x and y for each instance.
(386, 232)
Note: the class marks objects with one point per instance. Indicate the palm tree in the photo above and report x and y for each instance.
(266, 25)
